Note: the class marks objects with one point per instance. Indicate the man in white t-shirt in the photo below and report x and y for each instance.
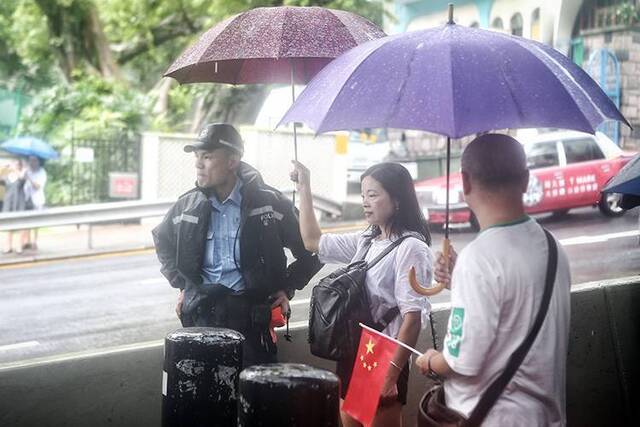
(497, 285)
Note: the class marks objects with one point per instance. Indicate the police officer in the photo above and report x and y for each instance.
(222, 244)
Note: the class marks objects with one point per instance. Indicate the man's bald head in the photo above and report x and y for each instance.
(496, 162)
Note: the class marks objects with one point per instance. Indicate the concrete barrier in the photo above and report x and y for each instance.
(122, 387)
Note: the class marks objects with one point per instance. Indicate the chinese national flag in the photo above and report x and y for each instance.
(369, 370)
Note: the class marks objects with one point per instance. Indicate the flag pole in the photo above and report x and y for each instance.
(400, 343)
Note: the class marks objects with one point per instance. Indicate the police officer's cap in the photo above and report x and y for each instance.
(217, 135)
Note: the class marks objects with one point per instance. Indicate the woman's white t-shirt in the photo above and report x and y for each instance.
(30, 192)
(387, 281)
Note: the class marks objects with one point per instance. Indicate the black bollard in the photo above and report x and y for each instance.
(200, 378)
(288, 394)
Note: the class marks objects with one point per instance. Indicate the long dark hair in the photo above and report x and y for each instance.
(396, 181)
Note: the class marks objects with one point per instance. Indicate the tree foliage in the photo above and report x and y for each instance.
(93, 68)
(54, 45)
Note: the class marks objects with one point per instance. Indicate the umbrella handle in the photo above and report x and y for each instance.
(413, 280)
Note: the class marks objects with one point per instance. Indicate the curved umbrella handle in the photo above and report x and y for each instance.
(413, 280)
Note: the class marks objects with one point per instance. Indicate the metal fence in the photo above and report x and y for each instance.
(11, 105)
(92, 162)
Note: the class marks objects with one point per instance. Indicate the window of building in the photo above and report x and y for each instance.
(604, 14)
(516, 25)
(497, 24)
(474, 24)
(535, 24)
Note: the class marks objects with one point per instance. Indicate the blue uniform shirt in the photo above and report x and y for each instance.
(222, 241)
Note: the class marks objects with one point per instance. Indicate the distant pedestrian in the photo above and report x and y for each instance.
(222, 244)
(13, 197)
(35, 180)
(497, 286)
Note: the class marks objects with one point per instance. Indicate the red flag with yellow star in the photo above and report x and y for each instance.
(369, 370)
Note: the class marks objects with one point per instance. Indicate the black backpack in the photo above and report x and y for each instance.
(338, 303)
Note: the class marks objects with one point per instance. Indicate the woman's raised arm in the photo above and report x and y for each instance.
(309, 227)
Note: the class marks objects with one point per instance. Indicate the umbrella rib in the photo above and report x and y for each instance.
(512, 93)
(573, 80)
(401, 91)
(284, 22)
(566, 90)
(230, 21)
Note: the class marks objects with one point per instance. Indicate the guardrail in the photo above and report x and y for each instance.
(323, 204)
(83, 214)
(110, 212)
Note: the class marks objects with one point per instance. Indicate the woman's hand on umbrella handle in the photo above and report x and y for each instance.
(301, 176)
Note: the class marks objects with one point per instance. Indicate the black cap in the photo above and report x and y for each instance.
(217, 135)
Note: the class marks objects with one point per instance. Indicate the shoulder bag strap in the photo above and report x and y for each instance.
(386, 319)
(496, 388)
(386, 251)
(367, 246)
(392, 312)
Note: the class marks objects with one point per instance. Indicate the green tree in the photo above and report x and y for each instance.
(93, 68)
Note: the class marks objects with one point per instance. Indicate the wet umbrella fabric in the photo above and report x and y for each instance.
(285, 44)
(29, 146)
(263, 45)
(627, 180)
(453, 81)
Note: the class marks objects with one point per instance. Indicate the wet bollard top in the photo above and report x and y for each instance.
(200, 377)
(288, 395)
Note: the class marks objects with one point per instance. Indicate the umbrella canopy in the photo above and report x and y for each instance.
(29, 146)
(627, 181)
(453, 81)
(263, 45)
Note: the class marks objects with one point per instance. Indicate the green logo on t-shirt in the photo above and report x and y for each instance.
(455, 331)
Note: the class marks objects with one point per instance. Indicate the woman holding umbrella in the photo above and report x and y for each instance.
(391, 209)
(35, 180)
(37, 151)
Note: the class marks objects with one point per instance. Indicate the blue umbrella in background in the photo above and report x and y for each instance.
(29, 146)
(626, 184)
(627, 180)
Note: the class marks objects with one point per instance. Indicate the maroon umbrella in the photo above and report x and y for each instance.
(283, 44)
(272, 45)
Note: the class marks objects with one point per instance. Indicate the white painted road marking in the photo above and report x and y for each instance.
(19, 345)
(585, 240)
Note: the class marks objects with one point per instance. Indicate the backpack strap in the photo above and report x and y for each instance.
(392, 312)
(386, 319)
(386, 251)
(495, 389)
(367, 246)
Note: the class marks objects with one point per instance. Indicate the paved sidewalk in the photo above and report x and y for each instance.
(73, 241)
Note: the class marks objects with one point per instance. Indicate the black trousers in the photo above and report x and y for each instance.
(242, 313)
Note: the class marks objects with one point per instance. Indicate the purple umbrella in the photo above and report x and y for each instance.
(453, 81)
(272, 45)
